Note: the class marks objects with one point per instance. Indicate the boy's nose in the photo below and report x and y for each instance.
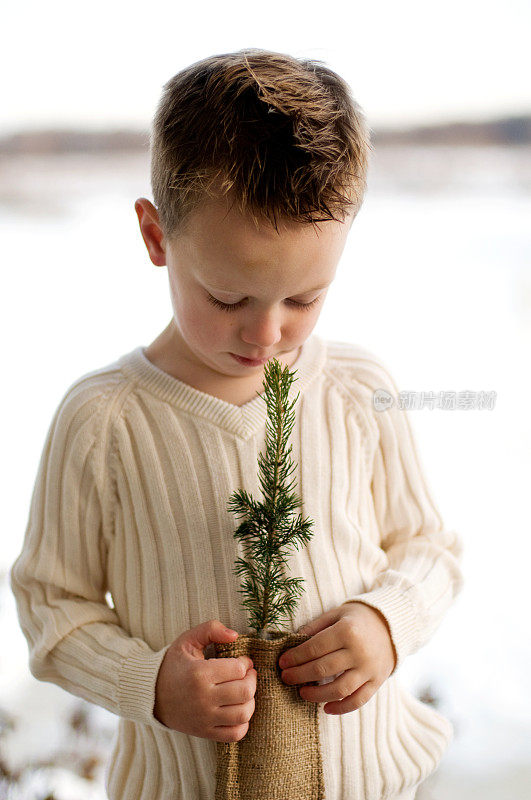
(262, 331)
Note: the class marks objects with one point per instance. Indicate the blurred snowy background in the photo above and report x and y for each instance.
(435, 278)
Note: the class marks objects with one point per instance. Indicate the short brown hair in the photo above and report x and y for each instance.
(283, 135)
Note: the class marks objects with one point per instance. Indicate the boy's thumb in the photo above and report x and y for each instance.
(229, 632)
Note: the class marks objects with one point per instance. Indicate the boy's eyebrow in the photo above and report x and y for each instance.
(229, 291)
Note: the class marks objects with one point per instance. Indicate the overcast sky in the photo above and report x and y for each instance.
(104, 63)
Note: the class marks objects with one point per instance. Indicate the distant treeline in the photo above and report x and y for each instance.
(505, 131)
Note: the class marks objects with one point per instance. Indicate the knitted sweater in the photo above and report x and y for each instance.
(129, 543)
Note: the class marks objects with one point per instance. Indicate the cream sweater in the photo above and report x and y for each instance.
(130, 499)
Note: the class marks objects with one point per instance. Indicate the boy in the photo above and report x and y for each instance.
(258, 169)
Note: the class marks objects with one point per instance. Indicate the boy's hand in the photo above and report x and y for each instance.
(210, 698)
(353, 640)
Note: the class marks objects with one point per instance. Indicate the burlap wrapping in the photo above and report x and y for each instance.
(279, 758)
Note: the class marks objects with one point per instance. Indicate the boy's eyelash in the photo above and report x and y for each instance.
(234, 306)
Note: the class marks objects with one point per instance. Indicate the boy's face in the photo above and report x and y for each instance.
(223, 257)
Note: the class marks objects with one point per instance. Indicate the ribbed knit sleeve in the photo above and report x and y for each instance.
(423, 574)
(59, 579)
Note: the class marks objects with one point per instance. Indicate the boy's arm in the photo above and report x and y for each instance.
(423, 575)
(59, 579)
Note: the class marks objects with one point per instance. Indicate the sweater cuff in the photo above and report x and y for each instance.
(400, 615)
(136, 684)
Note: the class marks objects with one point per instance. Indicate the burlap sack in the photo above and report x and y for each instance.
(279, 758)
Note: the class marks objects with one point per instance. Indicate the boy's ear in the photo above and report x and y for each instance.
(148, 219)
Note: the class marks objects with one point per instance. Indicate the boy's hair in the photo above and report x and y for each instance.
(283, 135)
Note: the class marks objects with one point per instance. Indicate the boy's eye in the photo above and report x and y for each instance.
(234, 306)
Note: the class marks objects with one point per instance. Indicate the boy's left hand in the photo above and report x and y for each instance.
(352, 639)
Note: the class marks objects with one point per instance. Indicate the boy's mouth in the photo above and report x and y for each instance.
(253, 362)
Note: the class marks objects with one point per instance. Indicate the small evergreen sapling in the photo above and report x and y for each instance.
(269, 527)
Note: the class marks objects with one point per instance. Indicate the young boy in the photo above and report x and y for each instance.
(258, 169)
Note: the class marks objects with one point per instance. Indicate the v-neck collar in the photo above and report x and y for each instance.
(244, 420)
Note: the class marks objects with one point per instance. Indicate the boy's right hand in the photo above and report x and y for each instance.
(211, 698)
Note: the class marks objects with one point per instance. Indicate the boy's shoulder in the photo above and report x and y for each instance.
(91, 398)
(361, 376)
(357, 367)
